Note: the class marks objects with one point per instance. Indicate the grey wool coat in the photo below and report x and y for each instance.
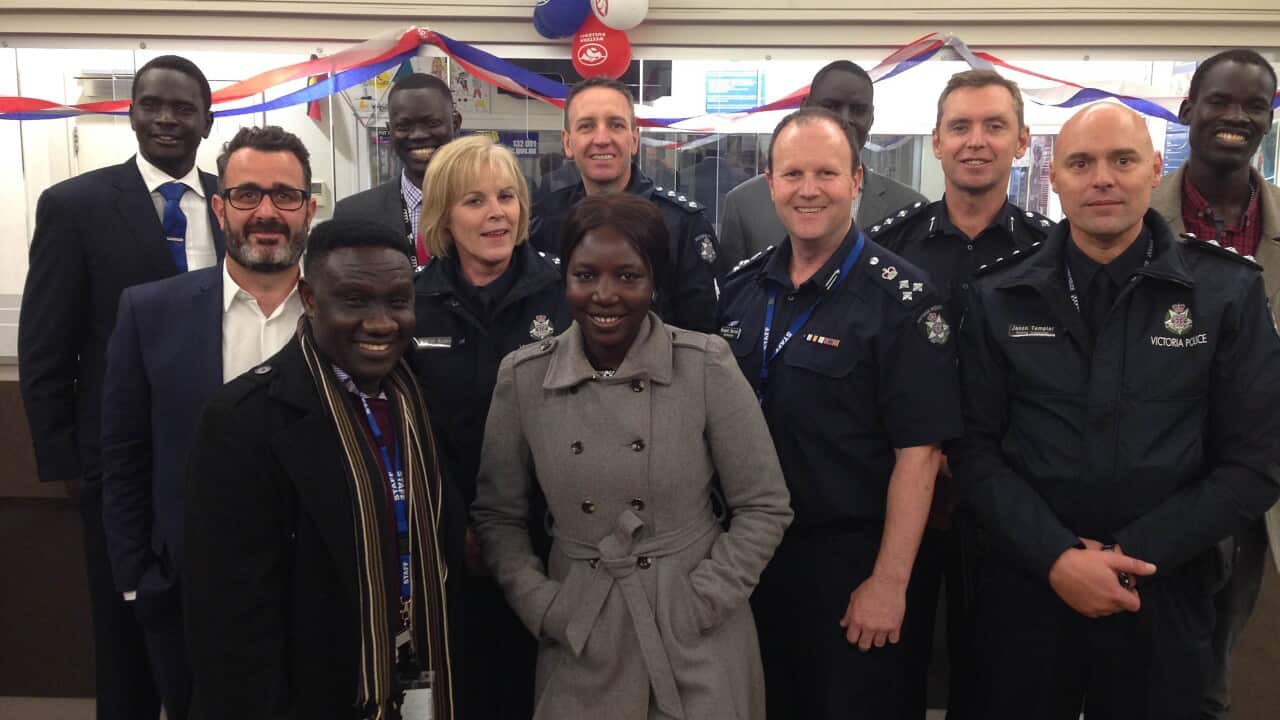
(642, 613)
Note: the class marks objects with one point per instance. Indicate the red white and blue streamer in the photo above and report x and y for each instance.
(359, 63)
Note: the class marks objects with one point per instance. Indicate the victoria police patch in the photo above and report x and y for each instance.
(933, 323)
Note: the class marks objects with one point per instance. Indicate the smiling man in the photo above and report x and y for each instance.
(1219, 195)
(317, 520)
(978, 134)
(1120, 390)
(176, 341)
(849, 351)
(97, 234)
(422, 118)
(601, 137)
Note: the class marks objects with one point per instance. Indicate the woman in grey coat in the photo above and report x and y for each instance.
(625, 424)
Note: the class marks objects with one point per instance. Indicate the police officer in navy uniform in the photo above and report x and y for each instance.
(851, 353)
(1120, 391)
(484, 293)
(978, 133)
(601, 137)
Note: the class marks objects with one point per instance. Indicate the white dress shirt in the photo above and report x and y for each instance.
(199, 242)
(248, 336)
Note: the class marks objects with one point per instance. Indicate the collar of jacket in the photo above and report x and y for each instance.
(649, 357)
(1044, 269)
(536, 273)
(291, 381)
(639, 184)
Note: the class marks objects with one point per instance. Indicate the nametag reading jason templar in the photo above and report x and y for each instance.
(1032, 331)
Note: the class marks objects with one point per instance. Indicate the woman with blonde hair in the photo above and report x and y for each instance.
(484, 293)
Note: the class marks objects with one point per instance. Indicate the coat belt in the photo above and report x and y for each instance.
(615, 557)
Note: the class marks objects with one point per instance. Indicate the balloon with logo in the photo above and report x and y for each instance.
(600, 51)
(620, 14)
(560, 18)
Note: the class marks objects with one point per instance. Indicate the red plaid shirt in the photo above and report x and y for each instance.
(1201, 221)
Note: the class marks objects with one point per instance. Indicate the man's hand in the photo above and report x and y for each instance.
(1088, 580)
(875, 611)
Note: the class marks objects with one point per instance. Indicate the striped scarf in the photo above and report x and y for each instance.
(428, 618)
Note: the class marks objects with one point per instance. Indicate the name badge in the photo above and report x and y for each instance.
(433, 343)
(1032, 331)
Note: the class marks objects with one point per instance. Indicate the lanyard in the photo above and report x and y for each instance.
(395, 473)
(1071, 280)
(766, 358)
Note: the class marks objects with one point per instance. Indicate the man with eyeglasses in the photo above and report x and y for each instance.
(176, 341)
(95, 235)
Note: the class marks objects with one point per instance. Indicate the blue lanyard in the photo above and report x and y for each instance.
(766, 358)
(395, 473)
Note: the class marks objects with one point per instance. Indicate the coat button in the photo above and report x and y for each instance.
(643, 562)
(573, 390)
(588, 506)
(594, 563)
(638, 445)
(576, 448)
(637, 386)
(637, 504)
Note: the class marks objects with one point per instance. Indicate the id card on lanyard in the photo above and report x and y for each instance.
(766, 357)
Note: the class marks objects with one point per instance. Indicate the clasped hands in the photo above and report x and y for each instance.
(1092, 581)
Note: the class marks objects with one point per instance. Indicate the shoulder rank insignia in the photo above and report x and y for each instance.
(1212, 247)
(1010, 259)
(553, 259)
(754, 261)
(896, 218)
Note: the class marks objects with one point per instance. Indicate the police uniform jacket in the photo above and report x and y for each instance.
(270, 592)
(642, 610)
(924, 234)
(871, 371)
(458, 346)
(687, 297)
(1160, 435)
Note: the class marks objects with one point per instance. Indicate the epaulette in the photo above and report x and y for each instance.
(903, 284)
(681, 201)
(1213, 248)
(755, 261)
(895, 218)
(553, 259)
(524, 353)
(1013, 257)
(240, 387)
(1038, 223)
(688, 338)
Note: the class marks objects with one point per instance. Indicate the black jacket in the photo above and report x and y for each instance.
(687, 295)
(458, 350)
(271, 595)
(1161, 436)
(96, 234)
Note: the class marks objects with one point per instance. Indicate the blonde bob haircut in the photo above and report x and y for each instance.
(458, 168)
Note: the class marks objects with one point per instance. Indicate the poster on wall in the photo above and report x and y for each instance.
(470, 94)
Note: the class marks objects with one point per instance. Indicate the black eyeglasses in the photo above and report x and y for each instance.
(249, 197)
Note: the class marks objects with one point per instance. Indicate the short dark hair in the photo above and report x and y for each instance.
(808, 115)
(346, 233)
(600, 82)
(981, 79)
(179, 64)
(421, 81)
(271, 138)
(1244, 56)
(841, 66)
(637, 220)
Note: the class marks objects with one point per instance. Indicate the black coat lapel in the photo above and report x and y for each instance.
(138, 212)
(311, 453)
(206, 341)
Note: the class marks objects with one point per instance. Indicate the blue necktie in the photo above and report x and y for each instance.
(175, 222)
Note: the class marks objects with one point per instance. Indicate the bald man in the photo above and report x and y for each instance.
(1120, 386)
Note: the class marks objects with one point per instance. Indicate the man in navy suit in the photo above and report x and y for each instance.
(176, 341)
(97, 234)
